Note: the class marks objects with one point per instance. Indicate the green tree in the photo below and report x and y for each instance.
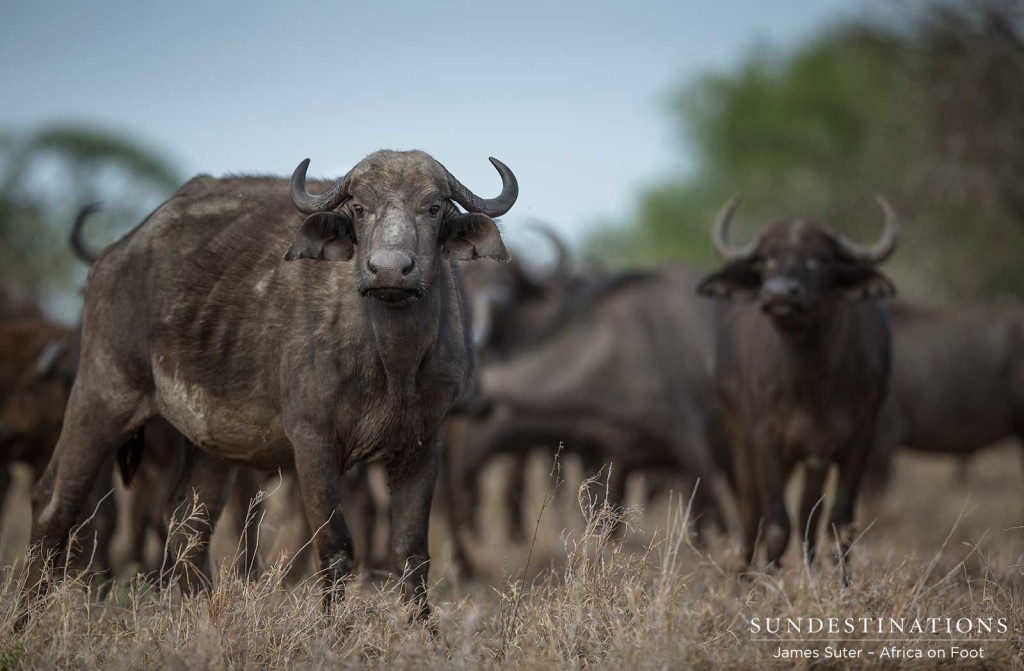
(924, 105)
(47, 175)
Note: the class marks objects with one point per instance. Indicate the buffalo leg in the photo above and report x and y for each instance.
(748, 502)
(246, 490)
(515, 490)
(851, 471)
(453, 506)
(205, 480)
(616, 496)
(96, 423)
(706, 511)
(136, 513)
(358, 497)
(319, 475)
(772, 480)
(412, 489)
(811, 505)
(5, 485)
(101, 507)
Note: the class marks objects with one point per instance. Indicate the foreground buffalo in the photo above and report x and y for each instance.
(353, 351)
(801, 366)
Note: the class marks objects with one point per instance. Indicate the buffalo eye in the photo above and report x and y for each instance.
(358, 209)
(813, 265)
(434, 209)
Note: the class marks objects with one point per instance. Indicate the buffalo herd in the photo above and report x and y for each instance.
(379, 329)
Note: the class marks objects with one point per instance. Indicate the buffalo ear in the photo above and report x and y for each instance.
(472, 236)
(325, 236)
(860, 283)
(738, 279)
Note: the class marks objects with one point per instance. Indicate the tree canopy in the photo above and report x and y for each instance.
(923, 105)
(46, 176)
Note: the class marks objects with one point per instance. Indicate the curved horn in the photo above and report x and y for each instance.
(720, 233)
(78, 245)
(885, 245)
(482, 320)
(563, 260)
(492, 207)
(49, 356)
(306, 202)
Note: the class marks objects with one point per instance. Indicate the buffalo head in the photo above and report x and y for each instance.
(395, 215)
(794, 268)
(34, 410)
(509, 298)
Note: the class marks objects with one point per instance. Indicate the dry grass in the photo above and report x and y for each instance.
(573, 598)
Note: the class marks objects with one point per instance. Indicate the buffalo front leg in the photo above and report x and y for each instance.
(412, 482)
(851, 471)
(811, 504)
(515, 495)
(319, 472)
(771, 478)
(748, 501)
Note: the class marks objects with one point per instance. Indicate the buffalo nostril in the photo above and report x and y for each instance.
(390, 266)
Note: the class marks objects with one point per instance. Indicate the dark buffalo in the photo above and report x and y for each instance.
(32, 350)
(37, 368)
(957, 382)
(801, 366)
(15, 304)
(244, 327)
(512, 304)
(36, 372)
(620, 377)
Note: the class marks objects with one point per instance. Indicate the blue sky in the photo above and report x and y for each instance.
(569, 94)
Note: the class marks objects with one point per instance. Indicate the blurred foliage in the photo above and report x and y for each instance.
(922, 102)
(47, 176)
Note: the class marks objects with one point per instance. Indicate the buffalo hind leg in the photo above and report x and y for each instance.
(412, 485)
(98, 521)
(201, 492)
(96, 423)
(243, 500)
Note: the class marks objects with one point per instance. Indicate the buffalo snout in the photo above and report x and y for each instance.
(390, 267)
(392, 277)
(783, 295)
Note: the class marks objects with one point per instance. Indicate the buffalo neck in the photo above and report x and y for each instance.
(378, 347)
(812, 348)
(403, 338)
